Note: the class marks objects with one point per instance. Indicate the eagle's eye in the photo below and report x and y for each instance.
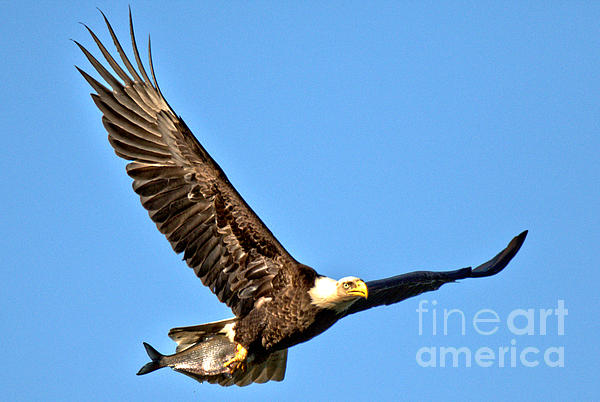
(346, 285)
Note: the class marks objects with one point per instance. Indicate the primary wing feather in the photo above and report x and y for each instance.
(397, 288)
(184, 190)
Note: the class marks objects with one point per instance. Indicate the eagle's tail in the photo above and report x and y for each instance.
(188, 336)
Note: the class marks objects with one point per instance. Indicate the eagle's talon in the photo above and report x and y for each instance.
(235, 366)
(238, 361)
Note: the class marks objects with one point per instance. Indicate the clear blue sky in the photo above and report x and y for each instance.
(372, 139)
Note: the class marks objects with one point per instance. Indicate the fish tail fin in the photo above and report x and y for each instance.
(156, 358)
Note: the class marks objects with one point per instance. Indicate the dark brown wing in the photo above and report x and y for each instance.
(397, 288)
(185, 192)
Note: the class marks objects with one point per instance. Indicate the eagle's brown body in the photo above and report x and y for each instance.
(288, 319)
(277, 302)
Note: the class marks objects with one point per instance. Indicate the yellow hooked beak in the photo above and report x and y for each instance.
(360, 290)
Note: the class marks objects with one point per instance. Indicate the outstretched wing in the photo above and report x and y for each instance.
(397, 288)
(185, 192)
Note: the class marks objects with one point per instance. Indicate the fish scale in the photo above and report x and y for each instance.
(205, 358)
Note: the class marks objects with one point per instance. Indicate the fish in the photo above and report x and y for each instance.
(205, 360)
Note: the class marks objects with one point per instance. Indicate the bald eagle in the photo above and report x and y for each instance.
(277, 301)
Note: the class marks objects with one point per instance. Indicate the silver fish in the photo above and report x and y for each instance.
(203, 361)
(203, 350)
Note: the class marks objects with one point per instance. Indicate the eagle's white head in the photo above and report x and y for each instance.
(337, 295)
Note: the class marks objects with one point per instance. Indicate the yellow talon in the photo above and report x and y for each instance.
(238, 360)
